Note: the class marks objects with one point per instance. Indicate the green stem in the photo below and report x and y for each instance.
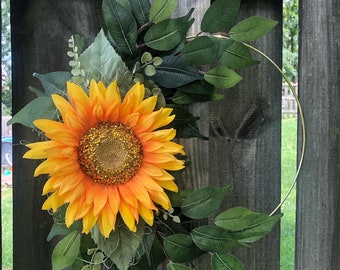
(303, 125)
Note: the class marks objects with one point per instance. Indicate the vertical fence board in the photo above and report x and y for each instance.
(318, 189)
(40, 33)
(245, 138)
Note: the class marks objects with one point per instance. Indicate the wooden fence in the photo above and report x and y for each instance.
(244, 129)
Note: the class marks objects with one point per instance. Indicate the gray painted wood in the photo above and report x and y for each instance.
(244, 148)
(318, 187)
(40, 30)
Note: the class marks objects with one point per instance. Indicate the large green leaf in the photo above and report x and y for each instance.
(185, 124)
(176, 266)
(202, 202)
(180, 248)
(152, 263)
(161, 10)
(237, 55)
(39, 108)
(175, 72)
(213, 239)
(222, 77)
(247, 226)
(251, 28)
(121, 24)
(204, 50)
(54, 82)
(101, 63)
(66, 251)
(197, 91)
(222, 261)
(220, 15)
(122, 245)
(167, 34)
(140, 9)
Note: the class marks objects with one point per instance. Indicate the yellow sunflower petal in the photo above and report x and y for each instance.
(89, 220)
(147, 105)
(106, 222)
(160, 198)
(146, 214)
(126, 214)
(169, 185)
(100, 198)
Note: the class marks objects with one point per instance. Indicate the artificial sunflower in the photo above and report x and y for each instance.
(107, 157)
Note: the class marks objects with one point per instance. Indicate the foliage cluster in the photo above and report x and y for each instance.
(143, 42)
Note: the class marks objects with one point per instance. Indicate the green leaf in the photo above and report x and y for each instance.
(220, 15)
(202, 202)
(198, 91)
(222, 77)
(121, 24)
(236, 56)
(167, 34)
(156, 257)
(61, 229)
(54, 82)
(247, 226)
(251, 28)
(222, 261)
(204, 50)
(101, 63)
(66, 251)
(122, 245)
(140, 9)
(175, 72)
(185, 124)
(176, 266)
(213, 239)
(180, 248)
(39, 108)
(161, 10)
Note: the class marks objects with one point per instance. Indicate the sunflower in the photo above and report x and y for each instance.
(108, 156)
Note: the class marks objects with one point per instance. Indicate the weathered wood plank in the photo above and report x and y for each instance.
(245, 140)
(318, 188)
(40, 30)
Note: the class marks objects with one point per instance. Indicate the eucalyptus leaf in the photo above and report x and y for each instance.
(140, 9)
(220, 15)
(167, 34)
(222, 261)
(236, 56)
(251, 28)
(121, 24)
(176, 266)
(66, 251)
(39, 108)
(213, 239)
(222, 77)
(54, 82)
(122, 245)
(161, 10)
(180, 248)
(37, 92)
(101, 63)
(202, 202)
(175, 72)
(204, 50)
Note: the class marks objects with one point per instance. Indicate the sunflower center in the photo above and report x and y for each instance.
(110, 153)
